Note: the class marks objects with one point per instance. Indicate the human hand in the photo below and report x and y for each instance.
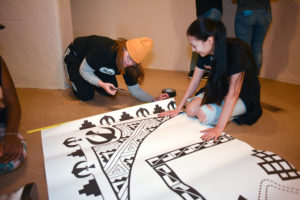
(109, 88)
(171, 113)
(12, 148)
(161, 97)
(211, 133)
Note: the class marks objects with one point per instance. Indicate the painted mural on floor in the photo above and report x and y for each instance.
(134, 154)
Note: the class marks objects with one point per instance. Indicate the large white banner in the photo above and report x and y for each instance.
(134, 154)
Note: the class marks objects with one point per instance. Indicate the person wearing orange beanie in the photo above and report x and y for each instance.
(92, 63)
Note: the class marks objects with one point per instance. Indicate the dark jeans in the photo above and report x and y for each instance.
(252, 28)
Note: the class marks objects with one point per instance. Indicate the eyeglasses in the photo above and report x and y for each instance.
(130, 60)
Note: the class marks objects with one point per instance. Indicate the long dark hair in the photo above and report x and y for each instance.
(135, 72)
(217, 83)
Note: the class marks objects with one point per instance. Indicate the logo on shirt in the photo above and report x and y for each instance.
(106, 70)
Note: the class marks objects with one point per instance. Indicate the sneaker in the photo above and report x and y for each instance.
(191, 73)
(205, 75)
(30, 192)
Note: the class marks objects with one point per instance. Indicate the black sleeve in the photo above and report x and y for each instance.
(128, 80)
(203, 61)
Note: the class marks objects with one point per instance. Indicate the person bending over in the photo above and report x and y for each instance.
(92, 63)
(232, 90)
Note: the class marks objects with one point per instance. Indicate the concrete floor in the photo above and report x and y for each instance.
(276, 131)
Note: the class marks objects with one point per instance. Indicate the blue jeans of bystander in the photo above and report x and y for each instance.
(252, 26)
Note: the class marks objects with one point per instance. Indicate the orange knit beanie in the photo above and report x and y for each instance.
(138, 48)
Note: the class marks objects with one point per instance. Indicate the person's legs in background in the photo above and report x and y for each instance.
(263, 20)
(243, 26)
(252, 28)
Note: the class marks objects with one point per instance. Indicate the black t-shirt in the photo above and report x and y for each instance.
(99, 55)
(204, 5)
(253, 5)
(240, 59)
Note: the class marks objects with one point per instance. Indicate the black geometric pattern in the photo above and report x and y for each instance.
(273, 164)
(176, 185)
(241, 198)
(266, 185)
(125, 116)
(71, 142)
(107, 120)
(104, 140)
(116, 157)
(166, 157)
(86, 124)
(91, 188)
(172, 105)
(159, 164)
(142, 112)
(81, 169)
(158, 109)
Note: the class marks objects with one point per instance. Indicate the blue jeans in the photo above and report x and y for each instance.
(214, 14)
(213, 113)
(252, 27)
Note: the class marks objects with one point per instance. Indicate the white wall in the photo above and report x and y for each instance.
(166, 21)
(282, 44)
(34, 40)
(38, 31)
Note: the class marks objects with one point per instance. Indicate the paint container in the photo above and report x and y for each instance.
(171, 92)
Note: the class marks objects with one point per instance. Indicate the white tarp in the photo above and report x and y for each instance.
(133, 154)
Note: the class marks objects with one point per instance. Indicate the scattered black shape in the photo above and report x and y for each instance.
(133, 126)
(125, 116)
(77, 170)
(101, 137)
(159, 164)
(107, 120)
(274, 164)
(158, 109)
(142, 112)
(176, 184)
(91, 188)
(118, 183)
(241, 198)
(79, 153)
(86, 124)
(168, 156)
(171, 105)
(106, 155)
(129, 161)
(267, 185)
(71, 142)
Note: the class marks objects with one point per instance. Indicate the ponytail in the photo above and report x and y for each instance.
(216, 86)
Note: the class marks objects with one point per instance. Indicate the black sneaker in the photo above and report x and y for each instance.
(191, 73)
(205, 75)
(30, 192)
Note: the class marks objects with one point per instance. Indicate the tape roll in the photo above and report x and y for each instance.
(169, 91)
